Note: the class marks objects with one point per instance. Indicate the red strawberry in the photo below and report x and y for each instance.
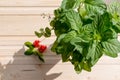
(42, 48)
(36, 43)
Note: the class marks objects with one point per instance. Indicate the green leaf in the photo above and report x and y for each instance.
(66, 52)
(104, 22)
(47, 35)
(55, 44)
(111, 47)
(41, 30)
(28, 52)
(86, 65)
(95, 51)
(68, 37)
(47, 32)
(79, 42)
(109, 34)
(41, 58)
(40, 55)
(77, 67)
(114, 10)
(76, 57)
(38, 34)
(94, 7)
(29, 45)
(74, 20)
(59, 39)
(77, 4)
(65, 49)
(95, 2)
(59, 26)
(71, 4)
(68, 4)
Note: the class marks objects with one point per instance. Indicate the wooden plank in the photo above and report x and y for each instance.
(11, 49)
(28, 60)
(20, 72)
(66, 72)
(18, 57)
(21, 3)
(58, 72)
(26, 11)
(19, 40)
(22, 25)
(23, 60)
(31, 3)
(16, 43)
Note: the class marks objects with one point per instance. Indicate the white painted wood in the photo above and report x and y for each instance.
(57, 72)
(66, 72)
(22, 25)
(13, 40)
(26, 10)
(18, 21)
(14, 3)
(29, 3)
(12, 48)
(21, 72)
(49, 59)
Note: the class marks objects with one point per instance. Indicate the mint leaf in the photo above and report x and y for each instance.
(74, 20)
(47, 32)
(59, 39)
(111, 47)
(80, 42)
(68, 37)
(77, 67)
(55, 44)
(86, 65)
(114, 11)
(38, 34)
(95, 51)
(68, 4)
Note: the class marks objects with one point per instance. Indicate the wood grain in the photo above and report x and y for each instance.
(36, 11)
(22, 25)
(21, 72)
(34, 3)
(18, 21)
(21, 3)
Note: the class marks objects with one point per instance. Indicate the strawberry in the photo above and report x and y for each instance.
(36, 43)
(42, 48)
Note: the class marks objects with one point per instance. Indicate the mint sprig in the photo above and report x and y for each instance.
(85, 30)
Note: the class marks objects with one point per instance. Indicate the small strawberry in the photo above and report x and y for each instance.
(36, 43)
(42, 48)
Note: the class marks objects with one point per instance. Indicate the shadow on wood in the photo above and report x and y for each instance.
(23, 67)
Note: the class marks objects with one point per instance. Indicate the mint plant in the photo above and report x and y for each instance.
(86, 30)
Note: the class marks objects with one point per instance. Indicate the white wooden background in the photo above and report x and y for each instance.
(18, 21)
